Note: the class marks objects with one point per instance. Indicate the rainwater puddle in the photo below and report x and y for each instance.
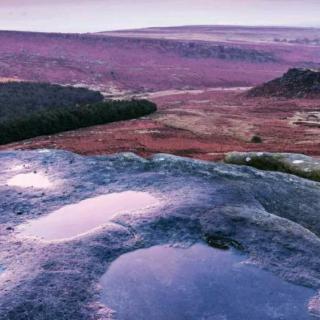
(18, 167)
(30, 180)
(78, 219)
(200, 282)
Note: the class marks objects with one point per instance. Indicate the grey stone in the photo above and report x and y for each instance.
(272, 217)
(297, 164)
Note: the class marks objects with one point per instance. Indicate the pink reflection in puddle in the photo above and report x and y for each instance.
(199, 282)
(86, 216)
(17, 167)
(30, 180)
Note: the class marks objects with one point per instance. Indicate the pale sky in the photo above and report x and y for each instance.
(104, 15)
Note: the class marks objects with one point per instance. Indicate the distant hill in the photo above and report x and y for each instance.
(20, 99)
(296, 83)
(226, 34)
(157, 59)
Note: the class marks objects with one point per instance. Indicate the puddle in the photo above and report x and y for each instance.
(44, 151)
(200, 282)
(18, 167)
(78, 219)
(30, 180)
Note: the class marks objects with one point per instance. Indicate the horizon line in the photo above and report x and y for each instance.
(169, 26)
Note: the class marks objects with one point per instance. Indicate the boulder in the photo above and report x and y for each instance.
(297, 164)
(272, 218)
(296, 83)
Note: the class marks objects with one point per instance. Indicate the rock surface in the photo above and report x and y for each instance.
(273, 217)
(297, 164)
(296, 83)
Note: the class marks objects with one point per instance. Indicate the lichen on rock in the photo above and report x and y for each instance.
(273, 218)
(297, 164)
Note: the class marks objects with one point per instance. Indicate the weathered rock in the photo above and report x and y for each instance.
(297, 164)
(296, 83)
(273, 217)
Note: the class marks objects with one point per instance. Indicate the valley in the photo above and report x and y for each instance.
(169, 173)
(155, 60)
(204, 124)
(197, 76)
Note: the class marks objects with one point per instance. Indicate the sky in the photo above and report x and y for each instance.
(105, 15)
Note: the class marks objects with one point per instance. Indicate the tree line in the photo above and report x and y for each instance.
(64, 119)
(18, 99)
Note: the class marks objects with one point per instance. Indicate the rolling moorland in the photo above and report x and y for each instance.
(199, 86)
(120, 236)
(114, 62)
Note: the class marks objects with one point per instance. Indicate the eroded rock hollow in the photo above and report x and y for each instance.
(271, 218)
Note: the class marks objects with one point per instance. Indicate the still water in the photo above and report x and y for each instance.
(198, 283)
(78, 219)
(30, 180)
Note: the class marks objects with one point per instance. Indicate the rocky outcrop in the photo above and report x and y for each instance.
(296, 83)
(272, 217)
(297, 164)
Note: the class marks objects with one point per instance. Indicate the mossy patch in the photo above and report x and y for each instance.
(297, 164)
